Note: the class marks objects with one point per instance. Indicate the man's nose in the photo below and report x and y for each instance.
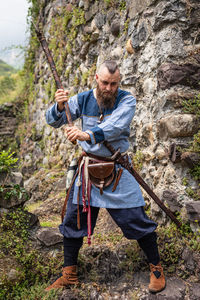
(108, 87)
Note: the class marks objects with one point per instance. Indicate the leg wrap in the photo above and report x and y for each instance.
(71, 250)
(149, 245)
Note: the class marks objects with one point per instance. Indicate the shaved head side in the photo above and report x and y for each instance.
(111, 65)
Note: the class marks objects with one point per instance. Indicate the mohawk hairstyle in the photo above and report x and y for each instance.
(111, 65)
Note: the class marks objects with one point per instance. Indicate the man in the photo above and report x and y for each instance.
(106, 113)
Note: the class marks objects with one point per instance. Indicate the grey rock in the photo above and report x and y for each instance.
(137, 6)
(3, 211)
(175, 290)
(12, 200)
(194, 291)
(14, 178)
(81, 4)
(180, 125)
(92, 11)
(188, 259)
(100, 20)
(171, 198)
(193, 211)
(169, 11)
(139, 36)
(84, 50)
(191, 158)
(32, 184)
(115, 28)
(49, 236)
(111, 14)
(130, 80)
(172, 74)
(33, 220)
(13, 275)
(169, 43)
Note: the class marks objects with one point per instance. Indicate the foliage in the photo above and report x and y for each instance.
(120, 3)
(195, 172)
(15, 191)
(7, 161)
(33, 268)
(126, 25)
(138, 160)
(6, 83)
(5, 69)
(192, 105)
(11, 87)
(37, 292)
(171, 241)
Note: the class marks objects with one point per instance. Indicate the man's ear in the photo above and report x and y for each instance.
(97, 77)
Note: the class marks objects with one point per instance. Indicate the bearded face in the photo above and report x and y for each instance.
(106, 99)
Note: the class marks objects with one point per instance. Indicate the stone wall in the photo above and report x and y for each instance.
(157, 45)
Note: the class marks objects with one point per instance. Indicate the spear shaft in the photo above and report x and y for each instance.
(52, 65)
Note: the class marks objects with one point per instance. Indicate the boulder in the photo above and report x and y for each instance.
(137, 6)
(11, 179)
(139, 36)
(49, 236)
(179, 125)
(192, 159)
(171, 198)
(170, 74)
(11, 197)
(193, 211)
(168, 12)
(115, 28)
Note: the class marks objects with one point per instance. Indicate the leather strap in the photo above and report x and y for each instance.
(67, 197)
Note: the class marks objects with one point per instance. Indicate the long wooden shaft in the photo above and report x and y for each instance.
(139, 179)
(52, 65)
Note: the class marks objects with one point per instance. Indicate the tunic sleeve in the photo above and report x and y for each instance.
(118, 122)
(57, 119)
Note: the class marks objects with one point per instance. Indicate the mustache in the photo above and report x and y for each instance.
(106, 99)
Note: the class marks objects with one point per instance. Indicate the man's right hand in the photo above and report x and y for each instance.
(61, 96)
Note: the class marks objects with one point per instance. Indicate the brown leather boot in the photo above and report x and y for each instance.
(69, 276)
(157, 278)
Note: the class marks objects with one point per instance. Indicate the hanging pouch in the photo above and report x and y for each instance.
(101, 174)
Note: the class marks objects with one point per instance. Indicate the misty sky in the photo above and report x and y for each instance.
(13, 26)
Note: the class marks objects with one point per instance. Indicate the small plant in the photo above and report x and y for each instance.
(34, 269)
(192, 105)
(126, 25)
(138, 160)
(192, 193)
(122, 5)
(14, 191)
(7, 161)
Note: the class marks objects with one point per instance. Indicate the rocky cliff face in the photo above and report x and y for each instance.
(157, 45)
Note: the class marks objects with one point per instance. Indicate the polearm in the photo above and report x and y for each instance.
(119, 158)
(52, 65)
(125, 163)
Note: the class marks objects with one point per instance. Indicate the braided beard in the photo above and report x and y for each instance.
(105, 100)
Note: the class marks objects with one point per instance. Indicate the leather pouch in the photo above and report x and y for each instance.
(101, 174)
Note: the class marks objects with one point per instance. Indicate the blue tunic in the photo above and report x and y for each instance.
(115, 128)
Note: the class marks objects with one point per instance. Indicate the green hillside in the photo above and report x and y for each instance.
(5, 69)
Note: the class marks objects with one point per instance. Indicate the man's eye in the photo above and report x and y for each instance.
(105, 82)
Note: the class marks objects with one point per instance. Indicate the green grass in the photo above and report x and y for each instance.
(11, 87)
(5, 69)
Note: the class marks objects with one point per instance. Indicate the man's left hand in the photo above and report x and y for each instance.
(74, 133)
